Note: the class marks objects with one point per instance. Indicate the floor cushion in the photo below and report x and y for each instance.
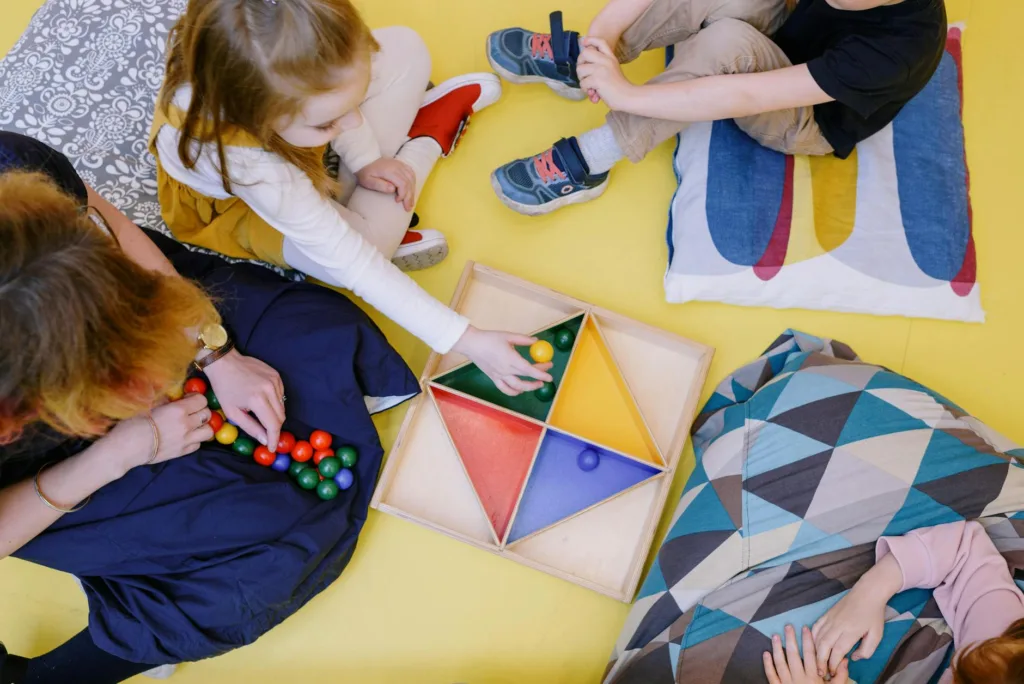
(805, 457)
(887, 231)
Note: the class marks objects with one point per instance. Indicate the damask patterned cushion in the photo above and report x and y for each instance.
(84, 79)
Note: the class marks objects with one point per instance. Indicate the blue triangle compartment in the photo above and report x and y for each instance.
(558, 488)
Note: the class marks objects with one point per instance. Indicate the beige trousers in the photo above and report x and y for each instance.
(713, 37)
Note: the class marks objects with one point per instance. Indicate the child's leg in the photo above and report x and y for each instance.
(575, 170)
(400, 74)
(728, 46)
(667, 22)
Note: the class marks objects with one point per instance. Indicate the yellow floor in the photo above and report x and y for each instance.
(417, 608)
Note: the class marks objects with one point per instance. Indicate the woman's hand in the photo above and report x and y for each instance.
(601, 74)
(247, 387)
(390, 176)
(495, 354)
(859, 616)
(787, 667)
(183, 426)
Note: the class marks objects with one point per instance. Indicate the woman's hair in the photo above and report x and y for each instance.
(252, 62)
(995, 661)
(89, 337)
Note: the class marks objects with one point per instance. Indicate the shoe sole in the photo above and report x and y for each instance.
(553, 205)
(563, 90)
(481, 79)
(417, 261)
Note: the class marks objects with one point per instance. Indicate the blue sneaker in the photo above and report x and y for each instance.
(548, 181)
(521, 56)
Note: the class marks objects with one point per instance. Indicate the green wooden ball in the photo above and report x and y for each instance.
(295, 468)
(330, 466)
(546, 392)
(244, 446)
(564, 339)
(347, 455)
(327, 490)
(212, 401)
(308, 478)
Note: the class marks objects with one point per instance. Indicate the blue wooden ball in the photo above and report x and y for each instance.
(588, 460)
(282, 463)
(344, 478)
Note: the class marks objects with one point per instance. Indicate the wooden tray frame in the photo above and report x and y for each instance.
(438, 365)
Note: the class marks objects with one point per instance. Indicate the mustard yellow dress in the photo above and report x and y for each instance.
(228, 226)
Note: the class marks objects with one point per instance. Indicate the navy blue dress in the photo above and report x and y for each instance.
(194, 557)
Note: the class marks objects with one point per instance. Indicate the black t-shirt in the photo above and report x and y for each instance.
(871, 61)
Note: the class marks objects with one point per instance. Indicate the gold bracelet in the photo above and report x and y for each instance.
(49, 504)
(156, 438)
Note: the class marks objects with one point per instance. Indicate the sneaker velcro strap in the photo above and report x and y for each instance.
(565, 45)
(572, 160)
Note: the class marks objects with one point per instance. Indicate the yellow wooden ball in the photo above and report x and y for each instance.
(227, 434)
(542, 351)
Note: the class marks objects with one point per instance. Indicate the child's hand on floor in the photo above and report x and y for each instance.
(787, 667)
(495, 354)
(601, 74)
(390, 176)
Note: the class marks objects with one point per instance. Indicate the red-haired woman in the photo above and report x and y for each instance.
(184, 548)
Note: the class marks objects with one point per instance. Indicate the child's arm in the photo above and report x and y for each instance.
(731, 96)
(321, 242)
(958, 560)
(709, 98)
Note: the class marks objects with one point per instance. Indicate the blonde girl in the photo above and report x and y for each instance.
(255, 92)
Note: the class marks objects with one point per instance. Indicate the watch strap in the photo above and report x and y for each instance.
(213, 356)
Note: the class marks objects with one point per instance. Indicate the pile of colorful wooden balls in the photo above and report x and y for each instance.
(541, 351)
(312, 463)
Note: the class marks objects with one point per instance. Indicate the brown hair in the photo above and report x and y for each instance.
(89, 336)
(252, 62)
(995, 661)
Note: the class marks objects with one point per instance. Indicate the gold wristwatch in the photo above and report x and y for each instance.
(213, 337)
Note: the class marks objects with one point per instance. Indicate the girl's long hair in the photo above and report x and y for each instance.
(251, 63)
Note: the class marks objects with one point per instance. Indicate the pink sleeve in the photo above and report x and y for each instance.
(962, 564)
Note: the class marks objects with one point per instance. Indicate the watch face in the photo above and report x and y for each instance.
(214, 336)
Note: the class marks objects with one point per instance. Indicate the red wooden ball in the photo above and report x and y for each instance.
(320, 440)
(216, 422)
(195, 386)
(285, 443)
(264, 456)
(302, 452)
(321, 454)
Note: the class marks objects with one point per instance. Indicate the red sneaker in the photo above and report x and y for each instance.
(420, 249)
(447, 107)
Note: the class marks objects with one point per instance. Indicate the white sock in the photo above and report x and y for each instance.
(600, 150)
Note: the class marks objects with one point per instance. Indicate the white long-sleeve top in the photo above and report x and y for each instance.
(283, 196)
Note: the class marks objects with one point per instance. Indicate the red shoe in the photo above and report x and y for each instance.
(447, 107)
(420, 249)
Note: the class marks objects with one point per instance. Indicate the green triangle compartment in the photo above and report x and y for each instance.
(470, 380)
